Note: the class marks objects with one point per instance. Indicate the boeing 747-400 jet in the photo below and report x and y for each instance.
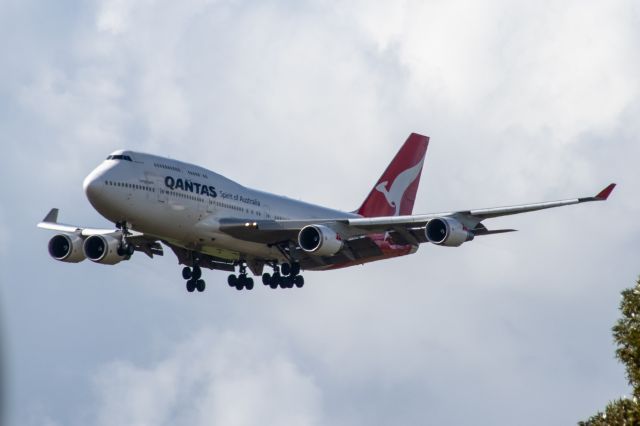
(210, 221)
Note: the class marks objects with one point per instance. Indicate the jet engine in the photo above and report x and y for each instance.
(446, 231)
(103, 249)
(66, 248)
(319, 240)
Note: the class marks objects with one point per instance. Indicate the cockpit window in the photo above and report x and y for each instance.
(119, 157)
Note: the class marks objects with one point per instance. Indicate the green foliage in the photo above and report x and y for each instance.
(626, 334)
(620, 412)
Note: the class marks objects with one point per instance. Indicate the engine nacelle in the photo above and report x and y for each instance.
(66, 248)
(446, 231)
(103, 249)
(319, 240)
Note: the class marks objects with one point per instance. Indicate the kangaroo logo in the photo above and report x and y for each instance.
(399, 186)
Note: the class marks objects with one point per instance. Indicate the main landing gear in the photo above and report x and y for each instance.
(194, 278)
(241, 281)
(286, 276)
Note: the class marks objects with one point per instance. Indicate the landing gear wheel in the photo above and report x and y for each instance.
(232, 280)
(240, 283)
(266, 279)
(191, 285)
(298, 281)
(285, 268)
(284, 282)
(130, 249)
(197, 272)
(276, 279)
(249, 283)
(295, 268)
(200, 285)
(186, 273)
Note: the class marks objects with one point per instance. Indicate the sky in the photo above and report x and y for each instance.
(523, 101)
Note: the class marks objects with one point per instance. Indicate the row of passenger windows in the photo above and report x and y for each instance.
(119, 157)
(130, 185)
(165, 166)
(232, 207)
(182, 195)
(192, 173)
(215, 203)
(187, 196)
(177, 169)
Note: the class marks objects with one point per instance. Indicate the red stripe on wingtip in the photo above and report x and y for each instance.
(604, 194)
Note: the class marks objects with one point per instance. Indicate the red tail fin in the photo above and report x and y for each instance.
(395, 192)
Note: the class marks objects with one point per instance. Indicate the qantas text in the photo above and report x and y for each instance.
(187, 185)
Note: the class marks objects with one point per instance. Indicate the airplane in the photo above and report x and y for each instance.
(210, 221)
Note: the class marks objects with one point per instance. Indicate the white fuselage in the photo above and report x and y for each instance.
(182, 203)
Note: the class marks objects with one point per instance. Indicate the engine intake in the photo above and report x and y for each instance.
(319, 240)
(103, 249)
(66, 248)
(446, 231)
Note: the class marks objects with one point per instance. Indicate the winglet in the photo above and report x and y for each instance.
(604, 194)
(51, 217)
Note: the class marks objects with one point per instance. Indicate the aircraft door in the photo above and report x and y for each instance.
(158, 181)
(162, 195)
(210, 205)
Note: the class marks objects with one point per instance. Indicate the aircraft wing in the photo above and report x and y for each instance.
(140, 241)
(50, 222)
(404, 229)
(471, 218)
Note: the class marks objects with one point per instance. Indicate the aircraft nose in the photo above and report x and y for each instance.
(91, 186)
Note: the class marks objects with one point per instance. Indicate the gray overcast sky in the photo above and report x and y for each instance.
(524, 101)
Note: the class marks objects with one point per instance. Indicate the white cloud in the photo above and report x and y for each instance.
(113, 16)
(212, 378)
(472, 56)
(525, 81)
